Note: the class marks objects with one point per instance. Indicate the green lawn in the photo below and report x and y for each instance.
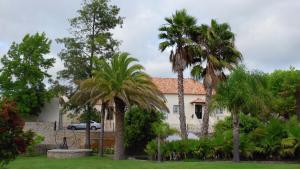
(105, 163)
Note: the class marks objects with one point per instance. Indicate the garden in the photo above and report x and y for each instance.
(262, 130)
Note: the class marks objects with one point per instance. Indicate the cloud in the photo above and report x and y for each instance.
(267, 32)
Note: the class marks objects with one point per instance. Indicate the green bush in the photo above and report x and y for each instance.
(109, 150)
(274, 140)
(138, 129)
(31, 149)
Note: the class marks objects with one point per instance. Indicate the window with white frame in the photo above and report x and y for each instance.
(175, 109)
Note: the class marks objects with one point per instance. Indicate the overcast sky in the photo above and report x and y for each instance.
(267, 31)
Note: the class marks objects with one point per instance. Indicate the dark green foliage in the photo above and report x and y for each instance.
(93, 115)
(283, 85)
(243, 92)
(24, 72)
(91, 39)
(274, 140)
(36, 140)
(247, 124)
(138, 130)
(13, 140)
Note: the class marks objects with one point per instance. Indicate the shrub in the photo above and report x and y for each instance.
(138, 129)
(13, 140)
(109, 150)
(274, 140)
(32, 148)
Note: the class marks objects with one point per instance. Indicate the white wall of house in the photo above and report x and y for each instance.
(50, 111)
(193, 123)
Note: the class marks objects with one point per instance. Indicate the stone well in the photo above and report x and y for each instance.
(68, 153)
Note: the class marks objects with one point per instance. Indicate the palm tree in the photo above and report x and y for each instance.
(161, 130)
(242, 92)
(122, 82)
(175, 35)
(84, 97)
(218, 55)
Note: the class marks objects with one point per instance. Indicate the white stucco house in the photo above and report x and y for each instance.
(194, 102)
(194, 98)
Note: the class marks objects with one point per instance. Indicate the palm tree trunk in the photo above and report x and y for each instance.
(101, 141)
(181, 105)
(298, 103)
(119, 135)
(236, 137)
(205, 120)
(88, 129)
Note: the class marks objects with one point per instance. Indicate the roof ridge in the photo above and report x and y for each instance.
(169, 85)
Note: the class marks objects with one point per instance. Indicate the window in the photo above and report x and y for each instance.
(219, 111)
(198, 111)
(175, 109)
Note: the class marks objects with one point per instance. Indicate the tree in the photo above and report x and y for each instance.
(138, 132)
(218, 55)
(122, 83)
(176, 36)
(24, 72)
(284, 85)
(242, 92)
(13, 140)
(161, 130)
(298, 103)
(91, 39)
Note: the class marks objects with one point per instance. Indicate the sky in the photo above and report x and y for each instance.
(267, 32)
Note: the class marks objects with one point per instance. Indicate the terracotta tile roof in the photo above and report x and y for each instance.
(169, 86)
(198, 100)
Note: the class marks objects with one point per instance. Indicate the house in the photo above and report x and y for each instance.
(194, 103)
(194, 100)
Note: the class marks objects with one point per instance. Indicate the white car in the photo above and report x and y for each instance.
(82, 126)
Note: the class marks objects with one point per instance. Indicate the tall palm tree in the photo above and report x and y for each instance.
(218, 55)
(175, 36)
(122, 82)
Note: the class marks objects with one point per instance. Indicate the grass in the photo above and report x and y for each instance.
(106, 163)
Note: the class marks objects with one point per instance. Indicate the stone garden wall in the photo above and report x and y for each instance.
(75, 139)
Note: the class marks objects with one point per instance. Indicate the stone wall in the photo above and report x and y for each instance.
(75, 139)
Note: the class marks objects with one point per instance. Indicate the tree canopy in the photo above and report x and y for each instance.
(243, 92)
(120, 82)
(91, 39)
(24, 71)
(284, 84)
